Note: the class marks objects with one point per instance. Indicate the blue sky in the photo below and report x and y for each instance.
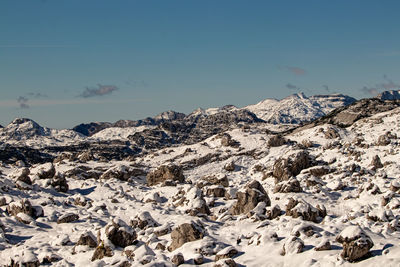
(64, 62)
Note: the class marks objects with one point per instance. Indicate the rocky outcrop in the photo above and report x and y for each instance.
(248, 199)
(165, 173)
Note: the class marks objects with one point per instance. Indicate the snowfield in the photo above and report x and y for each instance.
(322, 196)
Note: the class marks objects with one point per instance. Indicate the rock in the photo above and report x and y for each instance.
(87, 239)
(59, 183)
(219, 179)
(120, 234)
(193, 202)
(143, 221)
(226, 140)
(24, 206)
(67, 218)
(225, 263)
(129, 252)
(356, 243)
(178, 259)
(23, 176)
(164, 173)
(376, 163)
(292, 185)
(230, 167)
(254, 193)
(331, 133)
(304, 210)
(184, 233)
(273, 213)
(162, 230)
(383, 140)
(394, 186)
(122, 172)
(293, 245)
(26, 259)
(276, 140)
(319, 171)
(24, 218)
(323, 245)
(46, 171)
(284, 168)
(198, 259)
(226, 253)
(102, 251)
(215, 191)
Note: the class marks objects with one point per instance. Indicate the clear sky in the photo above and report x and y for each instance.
(64, 62)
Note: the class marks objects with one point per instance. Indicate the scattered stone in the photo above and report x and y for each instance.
(230, 167)
(59, 183)
(225, 263)
(103, 250)
(376, 162)
(24, 206)
(46, 171)
(198, 259)
(276, 140)
(356, 243)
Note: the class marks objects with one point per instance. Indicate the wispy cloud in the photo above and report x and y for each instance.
(296, 70)
(292, 86)
(326, 87)
(23, 102)
(100, 91)
(388, 84)
(37, 95)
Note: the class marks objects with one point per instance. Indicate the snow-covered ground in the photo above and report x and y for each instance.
(338, 170)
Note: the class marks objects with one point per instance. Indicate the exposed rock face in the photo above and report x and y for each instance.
(356, 243)
(164, 173)
(184, 233)
(303, 209)
(254, 193)
(284, 168)
(120, 234)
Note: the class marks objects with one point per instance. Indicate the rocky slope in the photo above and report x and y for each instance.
(209, 194)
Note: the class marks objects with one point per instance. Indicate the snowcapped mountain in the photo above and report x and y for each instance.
(389, 95)
(298, 108)
(23, 131)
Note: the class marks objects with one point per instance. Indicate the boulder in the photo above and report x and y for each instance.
(23, 206)
(226, 253)
(178, 259)
(276, 140)
(87, 239)
(186, 232)
(304, 210)
(293, 245)
(290, 186)
(164, 173)
(59, 183)
(323, 245)
(122, 173)
(46, 171)
(103, 250)
(67, 218)
(120, 234)
(143, 220)
(246, 201)
(284, 168)
(356, 243)
(376, 162)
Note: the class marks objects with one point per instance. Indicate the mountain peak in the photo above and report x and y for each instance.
(389, 95)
